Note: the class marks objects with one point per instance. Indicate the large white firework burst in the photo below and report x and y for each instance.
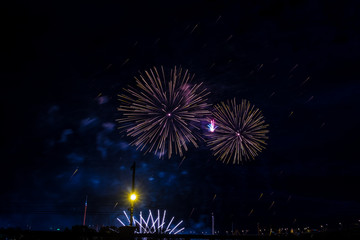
(150, 224)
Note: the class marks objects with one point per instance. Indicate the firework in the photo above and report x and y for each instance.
(154, 225)
(212, 126)
(163, 114)
(240, 134)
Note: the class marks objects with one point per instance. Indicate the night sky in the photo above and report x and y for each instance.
(64, 64)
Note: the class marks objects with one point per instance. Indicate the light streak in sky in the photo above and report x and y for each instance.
(272, 204)
(76, 170)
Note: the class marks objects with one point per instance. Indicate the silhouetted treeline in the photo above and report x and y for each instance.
(127, 233)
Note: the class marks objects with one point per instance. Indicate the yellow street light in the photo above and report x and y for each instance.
(133, 197)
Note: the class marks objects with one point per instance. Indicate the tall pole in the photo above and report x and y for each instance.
(132, 192)
(133, 177)
(85, 211)
(212, 224)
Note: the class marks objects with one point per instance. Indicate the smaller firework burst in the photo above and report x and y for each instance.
(150, 224)
(240, 132)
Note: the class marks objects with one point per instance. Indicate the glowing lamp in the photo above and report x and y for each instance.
(133, 197)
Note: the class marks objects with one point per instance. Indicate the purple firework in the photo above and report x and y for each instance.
(163, 113)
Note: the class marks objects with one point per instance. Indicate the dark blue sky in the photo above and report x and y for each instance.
(65, 64)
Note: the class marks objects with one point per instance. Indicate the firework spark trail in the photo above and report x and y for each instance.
(191, 212)
(241, 132)
(163, 220)
(126, 216)
(272, 204)
(176, 226)
(307, 79)
(182, 160)
(120, 221)
(163, 115)
(152, 220)
(76, 170)
(167, 228)
(181, 229)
